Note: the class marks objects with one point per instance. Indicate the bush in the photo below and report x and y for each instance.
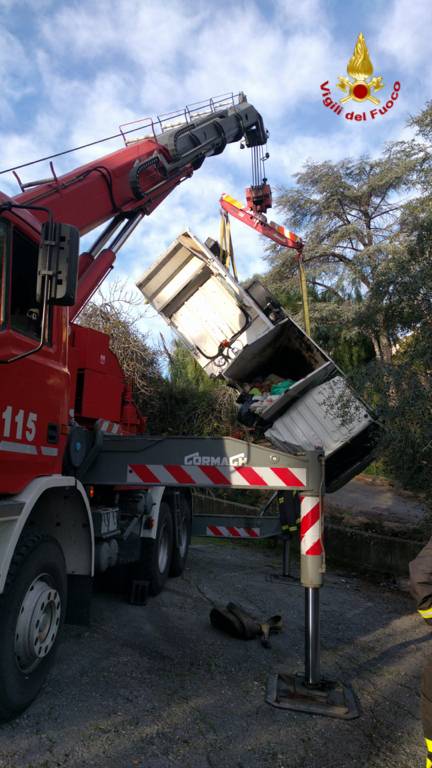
(401, 394)
(191, 403)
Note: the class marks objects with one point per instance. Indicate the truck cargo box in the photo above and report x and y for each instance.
(209, 310)
(243, 336)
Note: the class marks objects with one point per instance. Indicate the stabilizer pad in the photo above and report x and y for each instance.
(330, 699)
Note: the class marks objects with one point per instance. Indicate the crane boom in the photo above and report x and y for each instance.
(139, 176)
(276, 232)
(125, 185)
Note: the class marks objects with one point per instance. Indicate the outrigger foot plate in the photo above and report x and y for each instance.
(330, 699)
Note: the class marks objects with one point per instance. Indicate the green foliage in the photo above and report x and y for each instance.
(404, 285)
(350, 348)
(423, 122)
(184, 370)
(401, 392)
(402, 396)
(187, 401)
(333, 324)
(190, 402)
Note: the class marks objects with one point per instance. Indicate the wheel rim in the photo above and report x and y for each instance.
(164, 548)
(37, 624)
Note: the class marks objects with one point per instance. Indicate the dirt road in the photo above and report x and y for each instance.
(157, 687)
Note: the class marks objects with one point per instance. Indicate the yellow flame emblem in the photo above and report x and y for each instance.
(360, 69)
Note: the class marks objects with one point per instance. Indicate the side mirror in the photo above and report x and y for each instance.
(58, 260)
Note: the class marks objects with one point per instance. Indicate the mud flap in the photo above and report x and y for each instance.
(79, 595)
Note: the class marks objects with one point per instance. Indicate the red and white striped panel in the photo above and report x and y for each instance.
(310, 525)
(109, 427)
(201, 475)
(232, 532)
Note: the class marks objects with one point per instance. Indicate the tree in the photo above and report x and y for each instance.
(185, 371)
(191, 402)
(348, 214)
(332, 320)
(418, 210)
(369, 263)
(402, 392)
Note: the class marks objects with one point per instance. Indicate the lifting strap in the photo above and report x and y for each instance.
(226, 246)
(304, 293)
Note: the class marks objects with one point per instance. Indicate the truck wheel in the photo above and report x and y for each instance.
(32, 610)
(181, 548)
(156, 554)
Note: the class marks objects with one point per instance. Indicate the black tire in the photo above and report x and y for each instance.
(181, 549)
(156, 554)
(32, 611)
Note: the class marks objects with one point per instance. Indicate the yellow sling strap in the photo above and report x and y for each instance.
(304, 294)
(226, 246)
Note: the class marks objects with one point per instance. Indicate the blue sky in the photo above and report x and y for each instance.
(72, 72)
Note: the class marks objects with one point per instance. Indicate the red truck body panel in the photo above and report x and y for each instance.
(98, 377)
(34, 408)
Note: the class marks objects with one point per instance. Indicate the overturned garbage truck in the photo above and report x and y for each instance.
(243, 335)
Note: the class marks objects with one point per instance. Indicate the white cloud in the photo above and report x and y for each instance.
(307, 13)
(142, 31)
(180, 53)
(346, 140)
(97, 64)
(14, 64)
(404, 35)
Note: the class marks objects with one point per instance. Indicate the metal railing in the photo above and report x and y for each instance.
(168, 120)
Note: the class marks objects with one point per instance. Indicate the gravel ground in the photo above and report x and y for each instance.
(157, 687)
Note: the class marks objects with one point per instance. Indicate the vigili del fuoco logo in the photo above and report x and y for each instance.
(360, 88)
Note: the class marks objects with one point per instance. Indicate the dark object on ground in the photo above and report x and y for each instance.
(139, 592)
(235, 621)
